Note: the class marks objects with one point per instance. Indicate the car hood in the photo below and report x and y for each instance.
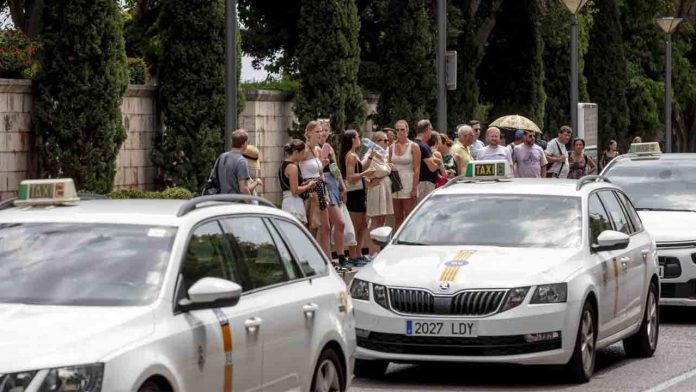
(470, 267)
(37, 337)
(670, 226)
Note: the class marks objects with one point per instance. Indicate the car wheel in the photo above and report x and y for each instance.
(328, 374)
(581, 364)
(644, 342)
(370, 369)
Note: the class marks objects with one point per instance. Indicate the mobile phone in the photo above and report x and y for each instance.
(325, 150)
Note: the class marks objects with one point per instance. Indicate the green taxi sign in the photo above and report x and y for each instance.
(46, 192)
(487, 170)
(645, 148)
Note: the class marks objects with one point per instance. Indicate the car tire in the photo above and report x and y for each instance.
(328, 373)
(581, 365)
(644, 342)
(370, 369)
(150, 386)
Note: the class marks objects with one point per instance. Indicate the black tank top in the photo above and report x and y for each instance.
(284, 180)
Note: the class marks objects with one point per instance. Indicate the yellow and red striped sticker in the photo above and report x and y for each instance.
(227, 347)
(452, 267)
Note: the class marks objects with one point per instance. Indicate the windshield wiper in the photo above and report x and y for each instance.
(400, 242)
(665, 209)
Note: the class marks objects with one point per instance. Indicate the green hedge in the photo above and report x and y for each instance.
(137, 70)
(169, 193)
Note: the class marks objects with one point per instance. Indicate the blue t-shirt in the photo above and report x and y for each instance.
(233, 167)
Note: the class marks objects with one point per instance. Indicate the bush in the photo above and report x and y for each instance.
(137, 70)
(176, 193)
(270, 83)
(18, 55)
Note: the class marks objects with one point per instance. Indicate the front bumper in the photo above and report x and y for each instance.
(500, 336)
(678, 284)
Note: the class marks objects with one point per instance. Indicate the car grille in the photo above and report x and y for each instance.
(479, 346)
(466, 303)
(676, 245)
(678, 290)
(671, 266)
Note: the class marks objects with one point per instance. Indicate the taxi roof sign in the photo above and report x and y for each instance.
(645, 148)
(487, 170)
(47, 192)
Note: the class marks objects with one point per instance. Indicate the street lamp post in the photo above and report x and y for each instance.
(230, 70)
(574, 6)
(668, 25)
(441, 62)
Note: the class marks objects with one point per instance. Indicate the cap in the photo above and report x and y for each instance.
(519, 133)
(251, 153)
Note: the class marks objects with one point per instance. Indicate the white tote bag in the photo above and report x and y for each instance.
(349, 231)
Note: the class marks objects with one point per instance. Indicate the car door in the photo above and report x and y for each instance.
(221, 352)
(276, 285)
(625, 257)
(607, 269)
(637, 266)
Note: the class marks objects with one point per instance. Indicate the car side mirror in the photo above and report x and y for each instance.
(381, 236)
(208, 293)
(611, 240)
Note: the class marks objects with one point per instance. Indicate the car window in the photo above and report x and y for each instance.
(205, 256)
(291, 268)
(632, 213)
(599, 220)
(310, 260)
(616, 213)
(254, 249)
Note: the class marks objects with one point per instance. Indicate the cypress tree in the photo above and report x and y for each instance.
(512, 72)
(191, 72)
(328, 57)
(407, 59)
(78, 92)
(606, 71)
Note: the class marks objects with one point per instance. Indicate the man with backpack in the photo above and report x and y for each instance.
(557, 154)
(231, 170)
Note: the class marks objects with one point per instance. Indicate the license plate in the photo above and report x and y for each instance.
(441, 328)
(661, 271)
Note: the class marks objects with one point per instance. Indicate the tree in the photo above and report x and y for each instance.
(328, 61)
(25, 14)
(407, 64)
(511, 75)
(78, 92)
(192, 91)
(606, 71)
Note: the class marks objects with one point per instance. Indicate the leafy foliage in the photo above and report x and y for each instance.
(78, 92)
(137, 70)
(283, 84)
(18, 55)
(328, 61)
(169, 193)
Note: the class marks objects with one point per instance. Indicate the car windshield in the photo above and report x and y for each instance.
(667, 185)
(532, 221)
(82, 264)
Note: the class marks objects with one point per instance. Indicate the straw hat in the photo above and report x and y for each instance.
(251, 153)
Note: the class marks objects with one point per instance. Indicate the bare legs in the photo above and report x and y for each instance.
(324, 232)
(402, 207)
(359, 224)
(336, 220)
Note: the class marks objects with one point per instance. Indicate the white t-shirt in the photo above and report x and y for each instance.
(476, 147)
(497, 153)
(529, 160)
(555, 148)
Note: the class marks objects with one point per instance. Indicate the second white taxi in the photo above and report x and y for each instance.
(500, 270)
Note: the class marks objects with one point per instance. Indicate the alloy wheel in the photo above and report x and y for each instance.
(652, 319)
(327, 378)
(587, 343)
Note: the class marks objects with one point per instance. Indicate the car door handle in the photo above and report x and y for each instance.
(624, 262)
(645, 253)
(253, 324)
(310, 309)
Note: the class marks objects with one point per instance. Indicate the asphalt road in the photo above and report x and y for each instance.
(673, 368)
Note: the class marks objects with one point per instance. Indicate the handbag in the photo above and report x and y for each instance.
(396, 185)
(440, 181)
(212, 186)
(313, 211)
(348, 230)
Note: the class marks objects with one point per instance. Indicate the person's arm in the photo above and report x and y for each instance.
(243, 176)
(416, 155)
(593, 167)
(602, 163)
(432, 163)
(351, 175)
(460, 164)
(543, 164)
(293, 175)
(441, 165)
(243, 188)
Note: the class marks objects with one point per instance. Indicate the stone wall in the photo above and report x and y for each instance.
(16, 158)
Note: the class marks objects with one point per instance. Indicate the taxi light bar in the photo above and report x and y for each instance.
(651, 148)
(47, 192)
(487, 170)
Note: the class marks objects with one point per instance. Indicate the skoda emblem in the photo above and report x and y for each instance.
(444, 286)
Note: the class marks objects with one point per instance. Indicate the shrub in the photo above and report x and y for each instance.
(137, 70)
(176, 193)
(18, 55)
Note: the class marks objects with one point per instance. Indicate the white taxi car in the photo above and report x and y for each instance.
(209, 294)
(663, 189)
(489, 269)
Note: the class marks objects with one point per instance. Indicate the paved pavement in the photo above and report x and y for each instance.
(673, 368)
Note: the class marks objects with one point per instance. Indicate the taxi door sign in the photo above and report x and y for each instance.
(227, 347)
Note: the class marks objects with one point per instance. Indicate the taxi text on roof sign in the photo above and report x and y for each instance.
(47, 192)
(644, 148)
(487, 170)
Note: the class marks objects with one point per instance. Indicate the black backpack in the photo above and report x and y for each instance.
(212, 186)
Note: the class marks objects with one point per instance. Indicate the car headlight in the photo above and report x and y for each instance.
(83, 378)
(550, 294)
(514, 298)
(380, 294)
(359, 289)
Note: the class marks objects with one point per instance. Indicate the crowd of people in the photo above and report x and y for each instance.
(341, 195)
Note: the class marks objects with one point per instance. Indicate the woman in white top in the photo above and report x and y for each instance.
(405, 156)
(379, 194)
